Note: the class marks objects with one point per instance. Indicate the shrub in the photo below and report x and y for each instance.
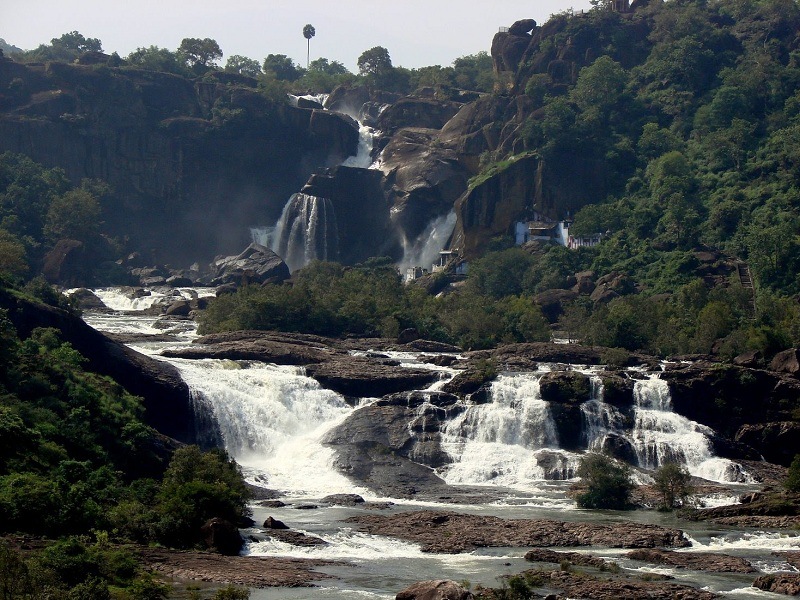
(672, 482)
(608, 483)
(792, 482)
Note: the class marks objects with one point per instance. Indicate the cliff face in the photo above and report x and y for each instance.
(192, 164)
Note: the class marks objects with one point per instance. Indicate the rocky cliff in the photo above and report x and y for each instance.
(193, 164)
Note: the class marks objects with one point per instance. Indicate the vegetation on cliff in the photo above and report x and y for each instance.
(76, 457)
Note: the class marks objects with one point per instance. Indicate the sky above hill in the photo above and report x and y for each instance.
(416, 32)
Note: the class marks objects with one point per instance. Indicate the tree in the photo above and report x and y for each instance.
(282, 67)
(673, 484)
(375, 61)
(154, 58)
(12, 254)
(77, 43)
(609, 483)
(308, 33)
(243, 65)
(323, 65)
(792, 482)
(201, 55)
(75, 215)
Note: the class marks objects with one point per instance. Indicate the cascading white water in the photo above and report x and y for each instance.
(424, 250)
(271, 419)
(511, 441)
(660, 436)
(363, 158)
(306, 231)
(600, 418)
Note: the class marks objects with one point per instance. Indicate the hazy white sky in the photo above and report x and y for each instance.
(416, 32)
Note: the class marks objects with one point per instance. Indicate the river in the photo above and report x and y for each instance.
(272, 419)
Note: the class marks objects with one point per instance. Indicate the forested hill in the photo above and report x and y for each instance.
(693, 110)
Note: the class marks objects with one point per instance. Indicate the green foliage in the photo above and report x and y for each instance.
(792, 482)
(65, 48)
(75, 215)
(282, 68)
(242, 65)
(154, 58)
(608, 482)
(231, 593)
(200, 54)
(673, 484)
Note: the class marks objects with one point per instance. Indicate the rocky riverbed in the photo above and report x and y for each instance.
(449, 532)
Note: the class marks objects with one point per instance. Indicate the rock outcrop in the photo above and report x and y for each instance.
(439, 531)
(166, 398)
(697, 561)
(192, 164)
(256, 264)
(440, 589)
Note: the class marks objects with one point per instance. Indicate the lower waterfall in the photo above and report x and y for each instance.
(660, 435)
(271, 419)
(306, 231)
(424, 250)
(510, 441)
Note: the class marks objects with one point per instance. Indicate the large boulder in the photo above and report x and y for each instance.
(365, 377)
(440, 589)
(787, 361)
(256, 264)
(391, 445)
(568, 387)
(222, 536)
(426, 113)
(778, 442)
(423, 179)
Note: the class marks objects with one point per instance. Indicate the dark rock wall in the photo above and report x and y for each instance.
(192, 164)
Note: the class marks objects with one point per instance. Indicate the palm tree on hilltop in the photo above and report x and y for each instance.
(308, 33)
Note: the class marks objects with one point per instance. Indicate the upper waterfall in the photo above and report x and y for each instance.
(306, 231)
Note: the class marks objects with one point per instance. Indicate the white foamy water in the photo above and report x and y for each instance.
(363, 158)
(271, 419)
(660, 436)
(510, 441)
(758, 540)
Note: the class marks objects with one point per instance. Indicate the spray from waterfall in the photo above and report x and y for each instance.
(424, 250)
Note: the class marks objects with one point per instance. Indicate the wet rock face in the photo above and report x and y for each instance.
(440, 531)
(565, 387)
(423, 179)
(435, 590)
(779, 583)
(187, 184)
(256, 264)
(705, 561)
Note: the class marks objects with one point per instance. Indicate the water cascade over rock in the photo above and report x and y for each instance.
(306, 231)
(508, 441)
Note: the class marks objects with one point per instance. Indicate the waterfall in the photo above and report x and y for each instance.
(363, 158)
(660, 436)
(306, 231)
(424, 250)
(600, 418)
(510, 441)
(271, 419)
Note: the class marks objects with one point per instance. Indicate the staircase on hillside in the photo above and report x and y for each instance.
(747, 283)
